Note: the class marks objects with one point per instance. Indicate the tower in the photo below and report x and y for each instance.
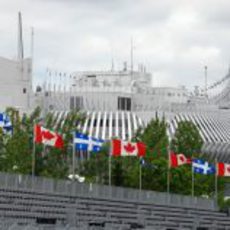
(20, 38)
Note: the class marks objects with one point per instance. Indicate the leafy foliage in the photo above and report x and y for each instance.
(187, 139)
(16, 155)
(154, 135)
(16, 150)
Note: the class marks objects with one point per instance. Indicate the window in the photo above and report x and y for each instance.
(79, 102)
(72, 103)
(24, 90)
(76, 102)
(91, 76)
(43, 220)
(124, 103)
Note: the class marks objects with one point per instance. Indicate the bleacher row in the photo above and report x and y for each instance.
(25, 208)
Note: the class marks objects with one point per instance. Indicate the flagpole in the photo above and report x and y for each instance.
(110, 181)
(73, 158)
(140, 175)
(33, 152)
(110, 168)
(216, 181)
(168, 173)
(192, 182)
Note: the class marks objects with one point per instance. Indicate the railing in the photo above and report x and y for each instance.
(73, 188)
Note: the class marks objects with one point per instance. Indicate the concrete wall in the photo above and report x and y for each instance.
(16, 84)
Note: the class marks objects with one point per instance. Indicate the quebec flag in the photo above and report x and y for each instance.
(86, 143)
(5, 123)
(203, 167)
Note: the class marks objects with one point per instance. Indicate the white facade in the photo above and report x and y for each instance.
(16, 84)
(100, 90)
(118, 102)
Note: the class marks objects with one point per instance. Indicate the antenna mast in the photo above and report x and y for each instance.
(205, 80)
(32, 43)
(131, 56)
(112, 65)
(20, 39)
(32, 55)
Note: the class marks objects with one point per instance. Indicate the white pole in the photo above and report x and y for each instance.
(192, 182)
(169, 163)
(205, 81)
(110, 166)
(131, 67)
(110, 171)
(168, 174)
(140, 176)
(33, 153)
(131, 56)
(73, 157)
(216, 181)
(32, 61)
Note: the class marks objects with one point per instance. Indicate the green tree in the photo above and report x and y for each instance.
(57, 163)
(96, 168)
(154, 135)
(187, 139)
(16, 150)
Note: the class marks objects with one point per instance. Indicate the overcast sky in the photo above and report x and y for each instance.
(174, 39)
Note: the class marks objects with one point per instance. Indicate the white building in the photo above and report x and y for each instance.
(16, 84)
(111, 90)
(118, 102)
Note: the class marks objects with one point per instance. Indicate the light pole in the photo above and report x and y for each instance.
(205, 81)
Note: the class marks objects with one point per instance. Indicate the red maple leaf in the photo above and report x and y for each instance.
(228, 169)
(129, 148)
(47, 135)
(182, 158)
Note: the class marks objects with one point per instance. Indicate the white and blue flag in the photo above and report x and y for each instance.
(5, 123)
(86, 143)
(203, 167)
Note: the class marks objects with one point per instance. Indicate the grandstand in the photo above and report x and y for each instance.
(41, 203)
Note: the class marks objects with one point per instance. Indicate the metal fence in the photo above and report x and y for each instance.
(74, 189)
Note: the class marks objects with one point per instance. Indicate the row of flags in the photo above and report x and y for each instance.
(200, 166)
(84, 142)
(118, 148)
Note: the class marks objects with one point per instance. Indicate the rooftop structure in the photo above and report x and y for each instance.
(119, 101)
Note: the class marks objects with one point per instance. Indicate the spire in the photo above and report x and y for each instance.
(20, 38)
(131, 55)
(112, 65)
(205, 81)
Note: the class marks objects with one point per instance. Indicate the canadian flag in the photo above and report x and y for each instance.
(222, 169)
(125, 148)
(47, 137)
(178, 159)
